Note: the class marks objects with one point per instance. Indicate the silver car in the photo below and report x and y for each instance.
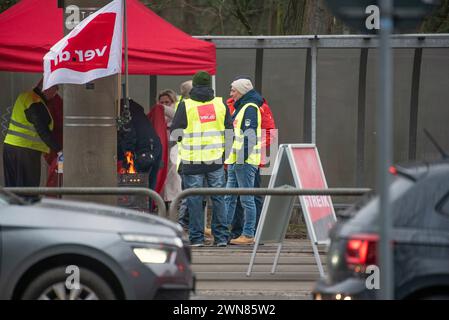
(67, 250)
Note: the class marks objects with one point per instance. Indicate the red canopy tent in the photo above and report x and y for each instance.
(30, 28)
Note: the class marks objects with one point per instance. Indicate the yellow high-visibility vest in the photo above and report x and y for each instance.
(237, 153)
(21, 132)
(203, 140)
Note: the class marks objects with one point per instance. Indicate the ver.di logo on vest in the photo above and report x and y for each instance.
(207, 113)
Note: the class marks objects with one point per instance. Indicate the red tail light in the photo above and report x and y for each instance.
(393, 171)
(361, 251)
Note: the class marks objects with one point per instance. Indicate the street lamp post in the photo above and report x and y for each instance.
(385, 148)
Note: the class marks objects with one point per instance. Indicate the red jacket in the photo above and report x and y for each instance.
(157, 118)
(55, 106)
(268, 125)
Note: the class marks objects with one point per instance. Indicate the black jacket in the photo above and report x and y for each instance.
(141, 139)
(200, 94)
(39, 116)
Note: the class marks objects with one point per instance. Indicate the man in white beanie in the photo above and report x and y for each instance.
(242, 86)
(245, 158)
(269, 132)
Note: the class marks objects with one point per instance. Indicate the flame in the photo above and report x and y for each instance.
(130, 162)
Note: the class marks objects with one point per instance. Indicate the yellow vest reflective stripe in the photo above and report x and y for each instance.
(204, 138)
(237, 153)
(21, 133)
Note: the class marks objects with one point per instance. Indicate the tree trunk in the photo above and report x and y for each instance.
(317, 18)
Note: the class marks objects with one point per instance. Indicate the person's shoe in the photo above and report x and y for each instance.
(208, 232)
(232, 237)
(222, 245)
(197, 245)
(242, 240)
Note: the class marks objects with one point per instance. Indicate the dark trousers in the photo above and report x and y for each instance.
(152, 179)
(21, 166)
(215, 179)
(239, 216)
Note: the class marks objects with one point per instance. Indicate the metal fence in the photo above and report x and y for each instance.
(282, 191)
(173, 213)
(162, 212)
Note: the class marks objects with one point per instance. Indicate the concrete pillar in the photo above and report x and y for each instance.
(90, 130)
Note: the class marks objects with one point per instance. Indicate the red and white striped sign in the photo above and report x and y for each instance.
(309, 174)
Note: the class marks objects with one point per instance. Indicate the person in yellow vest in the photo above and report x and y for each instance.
(183, 217)
(245, 158)
(185, 89)
(199, 125)
(28, 137)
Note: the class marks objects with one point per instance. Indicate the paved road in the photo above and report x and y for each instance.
(221, 273)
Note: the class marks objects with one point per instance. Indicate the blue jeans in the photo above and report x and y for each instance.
(183, 215)
(242, 176)
(239, 217)
(219, 226)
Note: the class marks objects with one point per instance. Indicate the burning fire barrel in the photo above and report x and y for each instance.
(129, 178)
(134, 180)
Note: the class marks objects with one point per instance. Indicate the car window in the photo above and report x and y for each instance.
(354, 209)
(367, 214)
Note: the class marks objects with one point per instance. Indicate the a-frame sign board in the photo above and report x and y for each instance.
(298, 166)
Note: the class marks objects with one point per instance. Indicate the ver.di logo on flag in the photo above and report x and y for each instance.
(90, 51)
(84, 52)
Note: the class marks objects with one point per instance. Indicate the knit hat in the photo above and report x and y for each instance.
(243, 86)
(202, 78)
(242, 77)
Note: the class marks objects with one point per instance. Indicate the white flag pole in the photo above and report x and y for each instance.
(119, 80)
(126, 51)
(125, 117)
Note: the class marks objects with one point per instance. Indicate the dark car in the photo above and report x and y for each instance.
(56, 249)
(420, 209)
